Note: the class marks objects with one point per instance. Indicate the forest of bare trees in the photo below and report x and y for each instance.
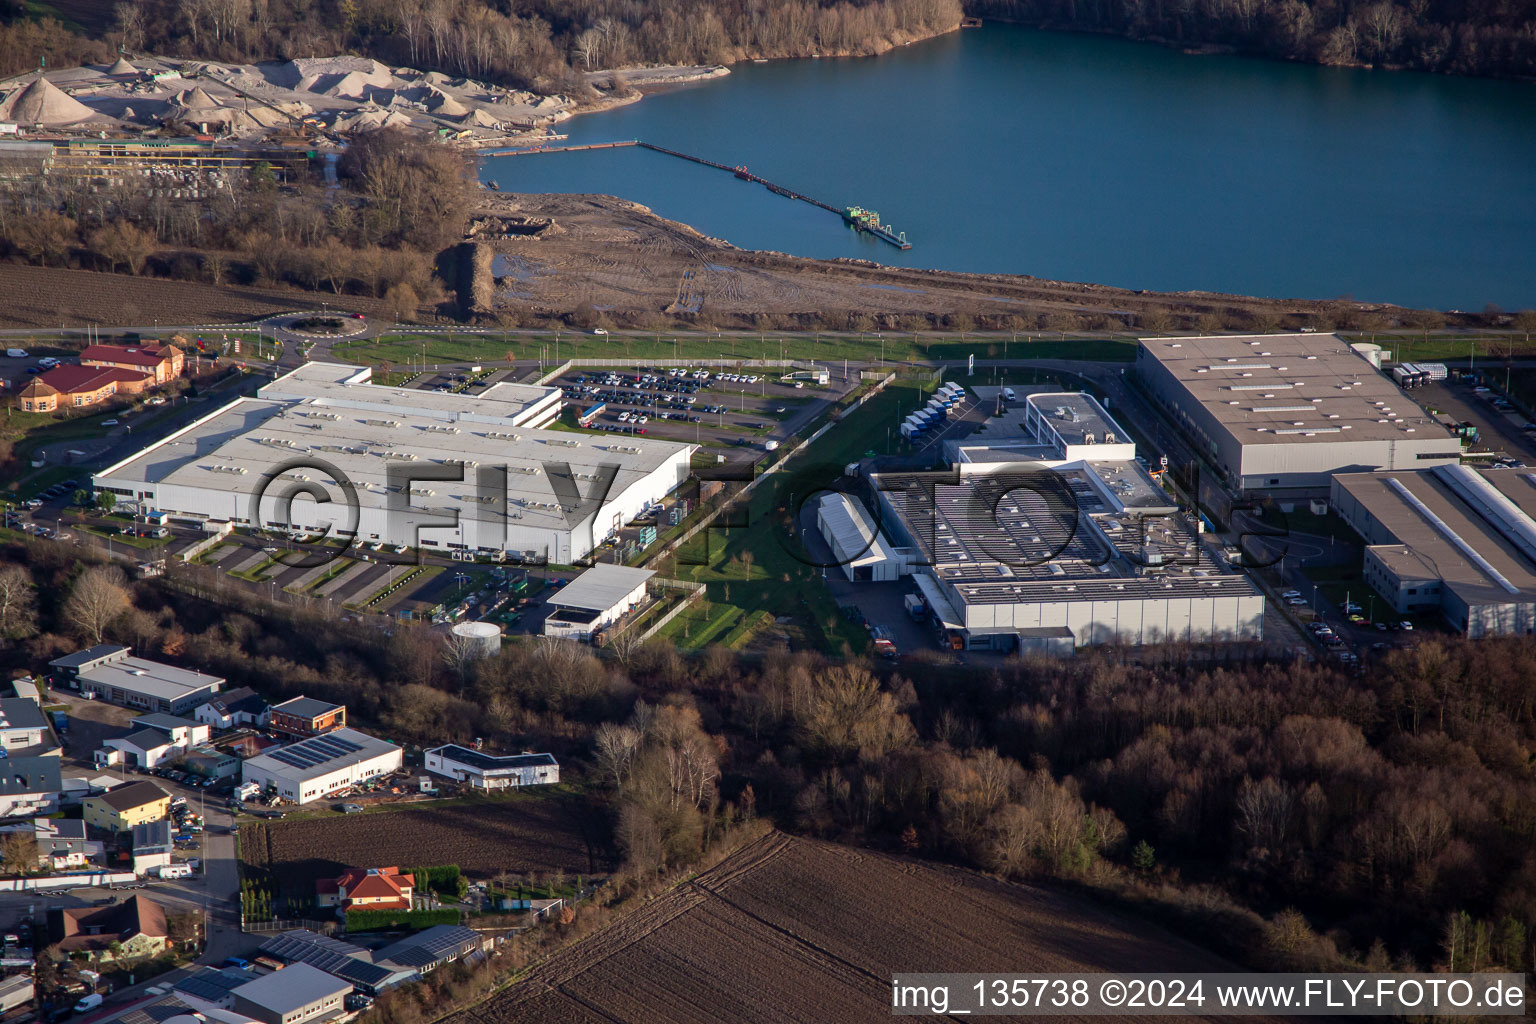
(540, 43)
(1324, 818)
(1467, 37)
(406, 200)
(537, 44)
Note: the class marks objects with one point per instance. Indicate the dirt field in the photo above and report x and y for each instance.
(528, 833)
(44, 297)
(619, 257)
(796, 930)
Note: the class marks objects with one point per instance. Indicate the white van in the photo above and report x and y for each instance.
(16, 353)
(1007, 394)
(90, 1002)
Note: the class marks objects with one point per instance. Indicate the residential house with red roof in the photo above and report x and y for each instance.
(366, 889)
(76, 387)
(163, 362)
(137, 925)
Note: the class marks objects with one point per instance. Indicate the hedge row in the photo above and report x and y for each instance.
(379, 920)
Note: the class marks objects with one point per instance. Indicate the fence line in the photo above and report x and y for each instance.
(704, 523)
(655, 627)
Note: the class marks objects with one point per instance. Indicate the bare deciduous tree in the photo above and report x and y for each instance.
(18, 602)
(97, 599)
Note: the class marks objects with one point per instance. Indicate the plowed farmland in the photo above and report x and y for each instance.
(793, 931)
(521, 835)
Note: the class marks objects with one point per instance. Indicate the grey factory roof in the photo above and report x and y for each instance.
(352, 963)
(139, 675)
(307, 707)
(431, 946)
(21, 713)
(321, 755)
(1083, 416)
(997, 542)
(231, 449)
(1473, 530)
(292, 988)
(346, 386)
(87, 656)
(1292, 388)
(492, 762)
(600, 587)
(168, 1008)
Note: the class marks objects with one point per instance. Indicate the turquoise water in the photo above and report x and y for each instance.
(1082, 158)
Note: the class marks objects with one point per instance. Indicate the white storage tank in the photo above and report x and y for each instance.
(483, 638)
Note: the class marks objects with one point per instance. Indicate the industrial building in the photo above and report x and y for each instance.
(296, 994)
(1284, 412)
(351, 963)
(320, 450)
(1453, 540)
(600, 596)
(490, 771)
(315, 768)
(1046, 535)
(109, 672)
(859, 550)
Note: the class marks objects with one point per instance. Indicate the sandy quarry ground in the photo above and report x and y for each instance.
(342, 94)
(620, 257)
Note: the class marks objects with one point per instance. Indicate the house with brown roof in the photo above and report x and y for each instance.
(137, 925)
(162, 362)
(366, 888)
(78, 387)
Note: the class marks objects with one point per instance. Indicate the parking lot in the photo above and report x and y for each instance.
(729, 409)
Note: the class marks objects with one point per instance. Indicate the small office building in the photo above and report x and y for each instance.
(490, 771)
(306, 716)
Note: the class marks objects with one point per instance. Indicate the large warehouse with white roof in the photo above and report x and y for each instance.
(421, 468)
(1287, 411)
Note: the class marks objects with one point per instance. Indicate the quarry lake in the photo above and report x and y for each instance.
(1081, 158)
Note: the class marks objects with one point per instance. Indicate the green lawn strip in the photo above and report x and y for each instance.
(417, 575)
(626, 349)
(745, 629)
(1416, 347)
(259, 573)
(417, 578)
(213, 554)
(145, 543)
(333, 568)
